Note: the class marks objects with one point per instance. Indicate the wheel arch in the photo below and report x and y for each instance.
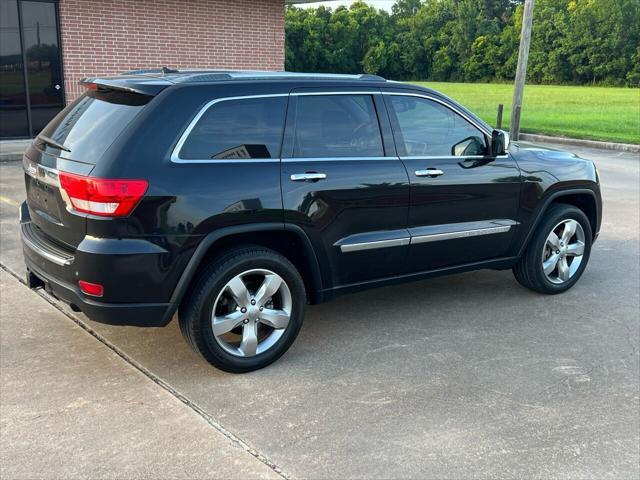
(584, 198)
(287, 239)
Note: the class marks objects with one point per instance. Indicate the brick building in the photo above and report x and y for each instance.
(46, 46)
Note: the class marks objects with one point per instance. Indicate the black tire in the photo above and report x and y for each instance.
(529, 271)
(195, 309)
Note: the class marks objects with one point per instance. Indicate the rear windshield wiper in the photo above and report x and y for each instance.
(51, 142)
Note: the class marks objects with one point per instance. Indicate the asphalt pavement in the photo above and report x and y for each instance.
(468, 376)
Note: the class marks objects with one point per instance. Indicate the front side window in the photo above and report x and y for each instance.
(238, 129)
(426, 128)
(330, 126)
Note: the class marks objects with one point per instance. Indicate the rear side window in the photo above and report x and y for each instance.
(88, 126)
(337, 126)
(237, 129)
(424, 127)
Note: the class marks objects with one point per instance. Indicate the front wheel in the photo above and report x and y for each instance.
(245, 309)
(558, 252)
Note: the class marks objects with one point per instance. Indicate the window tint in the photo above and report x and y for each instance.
(428, 128)
(337, 126)
(89, 125)
(238, 129)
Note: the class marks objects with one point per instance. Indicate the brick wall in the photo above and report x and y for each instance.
(107, 37)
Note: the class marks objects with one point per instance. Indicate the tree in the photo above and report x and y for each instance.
(574, 41)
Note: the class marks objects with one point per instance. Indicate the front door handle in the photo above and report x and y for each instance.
(429, 172)
(308, 177)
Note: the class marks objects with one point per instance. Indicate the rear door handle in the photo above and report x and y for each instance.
(308, 177)
(429, 172)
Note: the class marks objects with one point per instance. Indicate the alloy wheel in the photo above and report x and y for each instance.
(563, 251)
(251, 312)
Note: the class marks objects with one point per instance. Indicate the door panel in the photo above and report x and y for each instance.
(462, 207)
(356, 213)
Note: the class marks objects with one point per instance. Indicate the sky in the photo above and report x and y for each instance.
(384, 4)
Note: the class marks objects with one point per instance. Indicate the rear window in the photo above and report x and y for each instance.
(237, 129)
(88, 126)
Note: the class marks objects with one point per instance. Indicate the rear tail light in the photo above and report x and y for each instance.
(93, 289)
(101, 196)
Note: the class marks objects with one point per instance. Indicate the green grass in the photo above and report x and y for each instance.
(596, 113)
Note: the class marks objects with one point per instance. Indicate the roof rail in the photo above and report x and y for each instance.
(145, 71)
(370, 77)
(209, 77)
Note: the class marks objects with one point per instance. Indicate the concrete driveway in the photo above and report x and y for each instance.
(469, 376)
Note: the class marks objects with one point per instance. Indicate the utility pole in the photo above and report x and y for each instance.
(521, 72)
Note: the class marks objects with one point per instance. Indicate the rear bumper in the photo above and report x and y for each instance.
(57, 271)
(133, 314)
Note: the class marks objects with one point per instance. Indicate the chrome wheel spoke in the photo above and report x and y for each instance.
(249, 344)
(569, 231)
(239, 291)
(274, 318)
(226, 323)
(563, 269)
(549, 265)
(553, 241)
(575, 249)
(269, 287)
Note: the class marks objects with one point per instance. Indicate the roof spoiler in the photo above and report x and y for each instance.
(142, 86)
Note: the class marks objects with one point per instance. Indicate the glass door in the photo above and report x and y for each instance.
(13, 98)
(31, 88)
(42, 62)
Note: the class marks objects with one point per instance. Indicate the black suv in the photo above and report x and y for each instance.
(236, 198)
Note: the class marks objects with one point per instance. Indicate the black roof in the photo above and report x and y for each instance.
(181, 76)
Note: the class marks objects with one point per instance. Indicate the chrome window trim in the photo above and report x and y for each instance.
(448, 157)
(445, 104)
(333, 159)
(175, 154)
(355, 92)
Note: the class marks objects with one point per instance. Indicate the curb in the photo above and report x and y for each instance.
(576, 142)
(10, 157)
(12, 150)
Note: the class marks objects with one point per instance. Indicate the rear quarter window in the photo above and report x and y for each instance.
(88, 126)
(246, 128)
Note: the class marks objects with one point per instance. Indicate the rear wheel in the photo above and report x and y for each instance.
(245, 309)
(558, 252)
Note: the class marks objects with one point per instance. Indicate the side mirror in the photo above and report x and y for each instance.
(468, 146)
(499, 143)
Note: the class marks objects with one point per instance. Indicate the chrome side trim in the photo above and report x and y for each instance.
(441, 232)
(356, 247)
(175, 154)
(493, 227)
